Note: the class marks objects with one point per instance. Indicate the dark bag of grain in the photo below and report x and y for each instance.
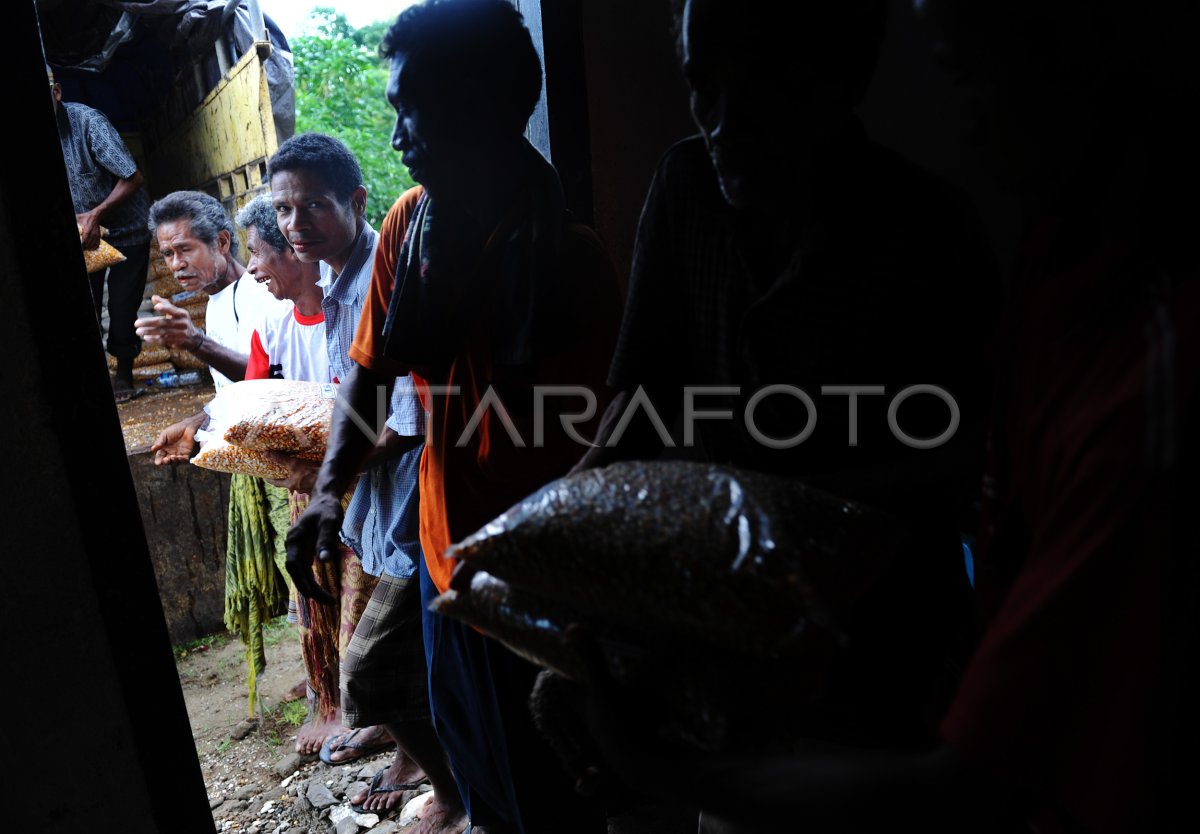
(732, 597)
(693, 549)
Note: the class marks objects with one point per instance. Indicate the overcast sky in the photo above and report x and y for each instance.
(292, 15)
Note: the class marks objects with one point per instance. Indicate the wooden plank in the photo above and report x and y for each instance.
(233, 127)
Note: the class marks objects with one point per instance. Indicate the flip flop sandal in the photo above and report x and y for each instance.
(343, 741)
(376, 788)
(124, 395)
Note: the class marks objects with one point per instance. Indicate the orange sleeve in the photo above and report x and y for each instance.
(367, 348)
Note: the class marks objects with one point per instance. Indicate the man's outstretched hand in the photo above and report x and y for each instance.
(314, 534)
(174, 444)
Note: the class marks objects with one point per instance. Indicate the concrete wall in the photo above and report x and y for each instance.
(184, 512)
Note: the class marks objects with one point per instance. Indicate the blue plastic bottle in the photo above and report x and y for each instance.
(174, 379)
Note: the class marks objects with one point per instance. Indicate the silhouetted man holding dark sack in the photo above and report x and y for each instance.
(1076, 711)
(782, 250)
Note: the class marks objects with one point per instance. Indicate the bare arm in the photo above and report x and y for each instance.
(89, 221)
(173, 328)
(315, 534)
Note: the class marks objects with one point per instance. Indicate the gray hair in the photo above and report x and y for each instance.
(260, 213)
(205, 216)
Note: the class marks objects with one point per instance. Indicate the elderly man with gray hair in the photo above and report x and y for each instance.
(197, 240)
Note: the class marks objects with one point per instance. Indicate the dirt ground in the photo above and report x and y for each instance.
(256, 783)
(144, 417)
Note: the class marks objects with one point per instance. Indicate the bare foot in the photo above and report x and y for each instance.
(387, 789)
(358, 744)
(297, 692)
(312, 734)
(440, 818)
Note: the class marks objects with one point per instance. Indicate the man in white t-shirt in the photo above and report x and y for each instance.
(196, 238)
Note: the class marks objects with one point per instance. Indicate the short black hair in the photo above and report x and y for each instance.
(260, 213)
(482, 40)
(205, 215)
(323, 154)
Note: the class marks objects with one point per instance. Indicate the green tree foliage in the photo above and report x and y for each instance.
(340, 83)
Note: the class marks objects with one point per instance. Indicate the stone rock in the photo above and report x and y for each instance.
(267, 807)
(347, 826)
(407, 797)
(369, 770)
(245, 792)
(302, 806)
(215, 802)
(289, 764)
(229, 808)
(387, 827)
(319, 795)
(298, 829)
(342, 812)
(412, 809)
(354, 788)
(244, 728)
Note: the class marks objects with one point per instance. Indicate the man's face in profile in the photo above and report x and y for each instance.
(429, 140)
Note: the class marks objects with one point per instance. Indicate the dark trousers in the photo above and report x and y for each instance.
(509, 779)
(126, 286)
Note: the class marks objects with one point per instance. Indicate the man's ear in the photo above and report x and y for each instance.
(359, 200)
(223, 241)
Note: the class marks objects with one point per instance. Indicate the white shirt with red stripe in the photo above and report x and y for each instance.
(290, 346)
